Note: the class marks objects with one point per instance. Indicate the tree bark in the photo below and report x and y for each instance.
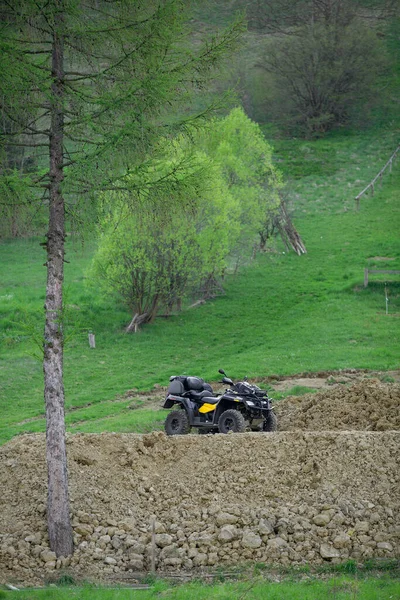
(58, 517)
(137, 320)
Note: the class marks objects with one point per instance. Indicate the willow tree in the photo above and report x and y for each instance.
(89, 87)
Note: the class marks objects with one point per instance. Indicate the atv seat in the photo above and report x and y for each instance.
(203, 396)
(195, 387)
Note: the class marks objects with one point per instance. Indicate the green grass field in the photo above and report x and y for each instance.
(282, 314)
(334, 588)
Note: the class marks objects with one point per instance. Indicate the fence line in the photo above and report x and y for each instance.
(379, 176)
(367, 271)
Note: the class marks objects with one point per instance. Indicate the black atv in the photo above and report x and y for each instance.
(240, 407)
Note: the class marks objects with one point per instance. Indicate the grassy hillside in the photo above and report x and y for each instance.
(283, 314)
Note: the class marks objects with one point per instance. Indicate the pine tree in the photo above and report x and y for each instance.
(89, 87)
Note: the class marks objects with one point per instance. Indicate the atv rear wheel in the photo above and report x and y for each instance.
(270, 423)
(177, 423)
(231, 420)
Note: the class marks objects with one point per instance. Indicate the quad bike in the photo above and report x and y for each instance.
(240, 407)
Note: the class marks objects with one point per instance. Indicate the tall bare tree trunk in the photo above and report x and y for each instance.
(58, 518)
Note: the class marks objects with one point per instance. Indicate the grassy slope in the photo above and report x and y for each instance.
(284, 314)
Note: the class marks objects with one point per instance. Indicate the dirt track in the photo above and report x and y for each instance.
(308, 493)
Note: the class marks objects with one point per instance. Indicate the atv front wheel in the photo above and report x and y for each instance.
(231, 420)
(177, 423)
(270, 423)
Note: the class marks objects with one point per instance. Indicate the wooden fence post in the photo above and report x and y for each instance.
(92, 340)
(365, 277)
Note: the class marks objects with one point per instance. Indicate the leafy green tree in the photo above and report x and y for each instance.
(100, 81)
(152, 259)
(239, 149)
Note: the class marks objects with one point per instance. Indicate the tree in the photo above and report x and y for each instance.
(316, 64)
(237, 145)
(151, 258)
(229, 187)
(101, 80)
(324, 71)
(285, 16)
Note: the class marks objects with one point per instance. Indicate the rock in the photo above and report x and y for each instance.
(35, 538)
(385, 546)
(159, 527)
(201, 539)
(116, 542)
(251, 540)
(228, 533)
(171, 552)
(48, 556)
(342, 541)
(163, 539)
(109, 560)
(328, 551)
(173, 562)
(362, 527)
(200, 559)
(104, 540)
(127, 524)
(136, 565)
(129, 541)
(83, 529)
(276, 544)
(136, 548)
(265, 527)
(322, 519)
(225, 518)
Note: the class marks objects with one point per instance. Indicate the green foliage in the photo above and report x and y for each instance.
(244, 156)
(301, 97)
(129, 77)
(324, 72)
(224, 185)
(153, 255)
(16, 210)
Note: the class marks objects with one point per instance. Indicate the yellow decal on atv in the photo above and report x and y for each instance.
(205, 408)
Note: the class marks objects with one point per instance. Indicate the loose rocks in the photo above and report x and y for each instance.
(286, 497)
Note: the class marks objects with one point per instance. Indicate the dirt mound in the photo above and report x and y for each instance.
(368, 405)
(290, 496)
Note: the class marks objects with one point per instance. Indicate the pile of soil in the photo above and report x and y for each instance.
(368, 405)
(290, 496)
